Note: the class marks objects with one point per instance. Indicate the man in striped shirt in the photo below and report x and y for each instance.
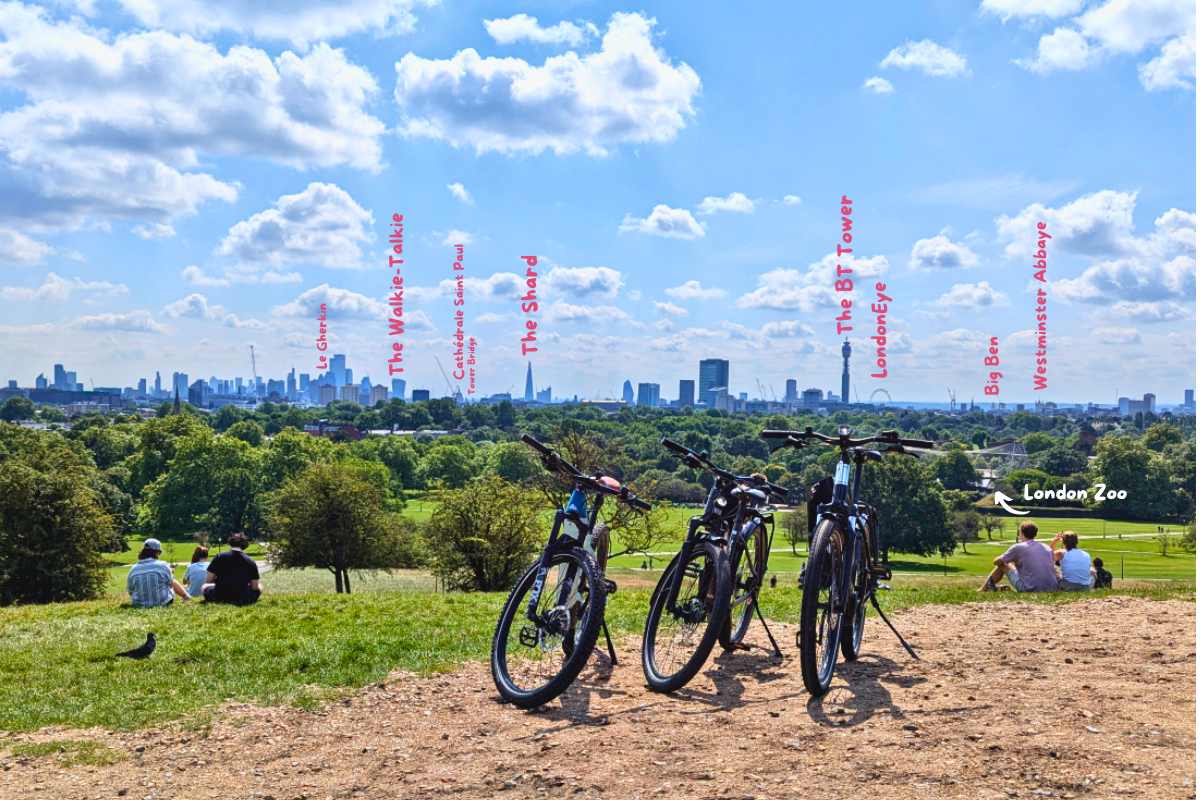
(151, 582)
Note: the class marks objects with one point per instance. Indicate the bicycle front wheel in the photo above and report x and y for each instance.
(748, 564)
(678, 641)
(856, 610)
(820, 612)
(535, 660)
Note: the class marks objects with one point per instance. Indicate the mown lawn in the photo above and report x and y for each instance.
(57, 664)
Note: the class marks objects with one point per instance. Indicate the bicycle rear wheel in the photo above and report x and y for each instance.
(676, 644)
(534, 661)
(820, 616)
(748, 564)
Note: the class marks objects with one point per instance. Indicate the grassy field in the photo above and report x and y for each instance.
(301, 648)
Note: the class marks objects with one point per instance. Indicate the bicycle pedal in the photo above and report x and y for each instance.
(739, 646)
(882, 572)
(610, 587)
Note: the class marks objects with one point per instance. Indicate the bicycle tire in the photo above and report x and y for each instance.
(708, 576)
(856, 610)
(747, 566)
(583, 630)
(820, 634)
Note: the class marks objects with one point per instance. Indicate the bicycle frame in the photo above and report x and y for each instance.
(558, 542)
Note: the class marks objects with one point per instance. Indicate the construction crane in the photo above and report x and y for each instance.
(774, 397)
(454, 393)
(254, 370)
(856, 394)
(951, 391)
(761, 393)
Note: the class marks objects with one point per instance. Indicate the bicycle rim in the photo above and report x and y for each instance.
(820, 616)
(676, 644)
(747, 567)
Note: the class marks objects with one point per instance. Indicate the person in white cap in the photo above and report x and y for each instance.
(151, 582)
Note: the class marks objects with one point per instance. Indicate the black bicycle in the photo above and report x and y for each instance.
(843, 570)
(709, 591)
(555, 613)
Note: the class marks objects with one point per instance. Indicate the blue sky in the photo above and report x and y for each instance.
(184, 179)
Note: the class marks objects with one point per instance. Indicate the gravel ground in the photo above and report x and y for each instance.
(1092, 699)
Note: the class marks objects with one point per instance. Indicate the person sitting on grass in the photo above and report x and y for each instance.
(1074, 564)
(151, 582)
(1029, 565)
(197, 572)
(233, 576)
(1102, 578)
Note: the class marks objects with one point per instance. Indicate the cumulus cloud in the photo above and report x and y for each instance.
(670, 309)
(17, 248)
(197, 277)
(339, 304)
(232, 321)
(491, 316)
(195, 306)
(692, 290)
(155, 231)
(790, 200)
(460, 193)
(140, 321)
(930, 58)
(250, 276)
(57, 289)
(792, 290)
(974, 296)
(669, 344)
(672, 223)
(1146, 312)
(1064, 49)
(298, 21)
(628, 92)
(1132, 280)
(500, 286)
(566, 312)
(1117, 335)
(524, 28)
(321, 225)
(454, 237)
(941, 253)
(1023, 9)
(114, 128)
(599, 282)
(735, 202)
(878, 85)
(1173, 68)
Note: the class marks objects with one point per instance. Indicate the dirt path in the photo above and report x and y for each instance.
(1100, 703)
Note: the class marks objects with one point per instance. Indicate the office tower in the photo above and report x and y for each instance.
(142, 387)
(687, 393)
(303, 385)
(196, 393)
(529, 396)
(72, 385)
(714, 374)
(378, 393)
(326, 394)
(846, 371)
(1123, 405)
(627, 392)
(647, 394)
(544, 396)
(398, 387)
(1148, 403)
(790, 395)
(718, 398)
(12, 384)
(291, 383)
(158, 382)
(337, 369)
(348, 392)
(811, 398)
(1189, 399)
(420, 395)
(179, 382)
(743, 396)
(60, 378)
(238, 385)
(364, 392)
(40, 382)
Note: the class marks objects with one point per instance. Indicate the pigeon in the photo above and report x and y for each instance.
(140, 652)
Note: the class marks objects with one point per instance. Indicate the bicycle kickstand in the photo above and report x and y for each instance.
(612, 651)
(774, 644)
(886, 621)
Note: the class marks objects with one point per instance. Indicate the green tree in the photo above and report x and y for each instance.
(156, 447)
(109, 445)
(335, 517)
(450, 462)
(506, 415)
(1060, 460)
(247, 431)
(914, 517)
(51, 414)
(966, 526)
(1160, 435)
(291, 452)
(483, 536)
(16, 408)
(955, 471)
(1123, 463)
(1037, 442)
(512, 461)
(992, 524)
(795, 527)
(225, 418)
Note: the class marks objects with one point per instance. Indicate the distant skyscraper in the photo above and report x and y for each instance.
(378, 393)
(238, 384)
(544, 396)
(627, 392)
(687, 393)
(60, 378)
(790, 395)
(811, 398)
(419, 395)
(179, 382)
(40, 382)
(326, 394)
(1148, 403)
(337, 370)
(72, 383)
(364, 391)
(1189, 399)
(846, 371)
(291, 383)
(348, 392)
(398, 386)
(349, 376)
(158, 382)
(303, 387)
(529, 395)
(647, 394)
(1123, 405)
(141, 385)
(714, 373)
(12, 384)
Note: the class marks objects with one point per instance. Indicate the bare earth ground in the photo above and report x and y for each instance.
(1098, 702)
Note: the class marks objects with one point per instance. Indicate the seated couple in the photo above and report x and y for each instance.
(231, 577)
(1031, 566)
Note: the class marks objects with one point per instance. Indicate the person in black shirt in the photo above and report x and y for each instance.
(233, 576)
(1103, 578)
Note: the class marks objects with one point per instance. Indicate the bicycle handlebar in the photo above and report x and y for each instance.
(797, 439)
(702, 460)
(556, 463)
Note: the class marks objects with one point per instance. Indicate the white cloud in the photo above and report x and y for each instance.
(59, 289)
(460, 193)
(232, 321)
(787, 329)
(17, 248)
(298, 21)
(930, 58)
(599, 282)
(672, 223)
(878, 85)
(195, 306)
(565, 312)
(941, 253)
(116, 127)
(670, 344)
(493, 317)
(670, 309)
(665, 325)
(321, 225)
(1177, 228)
(1133, 280)
(793, 290)
(499, 286)
(155, 231)
(265, 278)
(196, 277)
(339, 304)
(1173, 67)
(629, 92)
(1022, 9)
(1117, 335)
(692, 290)
(1146, 312)
(1128, 26)
(454, 237)
(523, 27)
(1063, 49)
(790, 200)
(140, 321)
(974, 296)
(735, 202)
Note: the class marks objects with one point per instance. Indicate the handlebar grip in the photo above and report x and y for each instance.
(777, 434)
(918, 443)
(675, 446)
(535, 444)
(640, 504)
(777, 489)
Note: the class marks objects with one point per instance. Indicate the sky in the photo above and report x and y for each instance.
(181, 180)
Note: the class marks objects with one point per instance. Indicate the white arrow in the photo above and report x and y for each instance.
(1002, 501)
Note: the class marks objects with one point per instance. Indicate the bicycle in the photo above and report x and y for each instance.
(694, 603)
(562, 595)
(843, 571)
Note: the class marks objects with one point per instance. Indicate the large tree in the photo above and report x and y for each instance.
(16, 408)
(955, 471)
(156, 447)
(914, 517)
(450, 462)
(1125, 464)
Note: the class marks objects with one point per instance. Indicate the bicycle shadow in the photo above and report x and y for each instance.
(862, 693)
(577, 705)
